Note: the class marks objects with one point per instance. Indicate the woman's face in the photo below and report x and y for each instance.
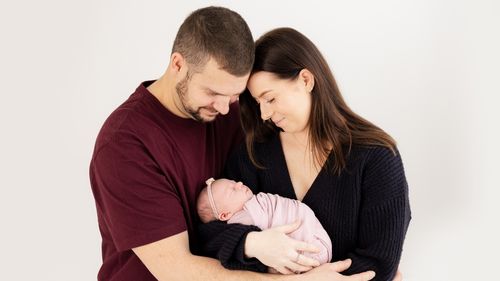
(287, 103)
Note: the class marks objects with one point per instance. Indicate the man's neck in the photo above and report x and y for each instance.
(164, 90)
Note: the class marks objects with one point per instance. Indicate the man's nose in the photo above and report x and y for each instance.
(222, 104)
(234, 98)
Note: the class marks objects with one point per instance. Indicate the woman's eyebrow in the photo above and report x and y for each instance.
(263, 93)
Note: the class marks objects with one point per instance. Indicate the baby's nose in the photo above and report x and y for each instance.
(239, 184)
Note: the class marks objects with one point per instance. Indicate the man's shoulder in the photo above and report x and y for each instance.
(117, 120)
(133, 119)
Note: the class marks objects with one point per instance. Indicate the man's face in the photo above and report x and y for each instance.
(205, 94)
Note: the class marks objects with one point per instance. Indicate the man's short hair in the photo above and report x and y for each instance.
(218, 33)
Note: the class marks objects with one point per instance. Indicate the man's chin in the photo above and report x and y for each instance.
(210, 118)
(205, 118)
(207, 115)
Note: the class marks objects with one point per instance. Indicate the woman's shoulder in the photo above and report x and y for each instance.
(377, 152)
(370, 156)
(383, 175)
(380, 162)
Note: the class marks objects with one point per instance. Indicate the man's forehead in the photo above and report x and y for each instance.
(220, 81)
(219, 91)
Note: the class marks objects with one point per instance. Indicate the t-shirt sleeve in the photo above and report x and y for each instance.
(137, 201)
(384, 215)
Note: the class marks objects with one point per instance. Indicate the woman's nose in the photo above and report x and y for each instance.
(264, 112)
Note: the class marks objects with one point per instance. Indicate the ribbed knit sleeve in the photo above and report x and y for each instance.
(384, 215)
(226, 242)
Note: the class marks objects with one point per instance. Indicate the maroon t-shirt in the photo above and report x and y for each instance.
(146, 172)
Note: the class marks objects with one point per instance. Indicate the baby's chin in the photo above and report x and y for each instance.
(249, 192)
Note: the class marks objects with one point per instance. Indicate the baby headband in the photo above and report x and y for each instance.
(211, 197)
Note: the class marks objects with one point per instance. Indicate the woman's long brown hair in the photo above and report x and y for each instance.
(333, 126)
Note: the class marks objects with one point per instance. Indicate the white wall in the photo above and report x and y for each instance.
(426, 71)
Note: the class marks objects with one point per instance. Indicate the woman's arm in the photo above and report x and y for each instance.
(226, 242)
(384, 216)
(231, 244)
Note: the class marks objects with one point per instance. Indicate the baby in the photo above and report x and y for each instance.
(231, 201)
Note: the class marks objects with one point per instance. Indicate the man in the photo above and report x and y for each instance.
(155, 151)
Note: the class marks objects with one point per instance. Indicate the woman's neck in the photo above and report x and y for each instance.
(299, 140)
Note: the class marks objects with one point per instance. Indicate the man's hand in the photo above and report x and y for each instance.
(331, 272)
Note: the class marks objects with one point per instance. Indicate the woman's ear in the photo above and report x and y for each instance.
(308, 78)
(224, 216)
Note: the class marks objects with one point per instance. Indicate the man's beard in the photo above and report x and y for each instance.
(182, 89)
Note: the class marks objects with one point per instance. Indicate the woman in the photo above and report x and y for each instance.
(303, 142)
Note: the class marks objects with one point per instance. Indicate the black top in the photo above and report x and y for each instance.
(365, 209)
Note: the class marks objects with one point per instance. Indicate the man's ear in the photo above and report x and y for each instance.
(177, 62)
(224, 216)
(308, 78)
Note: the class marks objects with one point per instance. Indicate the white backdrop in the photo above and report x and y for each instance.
(425, 71)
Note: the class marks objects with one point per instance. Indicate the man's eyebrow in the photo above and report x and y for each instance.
(219, 94)
(212, 91)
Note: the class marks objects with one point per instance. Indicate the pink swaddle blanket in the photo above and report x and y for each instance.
(267, 210)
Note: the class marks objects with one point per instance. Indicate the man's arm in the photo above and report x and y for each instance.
(170, 259)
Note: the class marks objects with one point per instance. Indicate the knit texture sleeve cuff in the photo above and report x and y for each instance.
(226, 242)
(381, 237)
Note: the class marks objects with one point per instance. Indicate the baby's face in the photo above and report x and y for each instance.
(230, 196)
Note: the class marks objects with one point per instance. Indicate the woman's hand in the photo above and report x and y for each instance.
(275, 249)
